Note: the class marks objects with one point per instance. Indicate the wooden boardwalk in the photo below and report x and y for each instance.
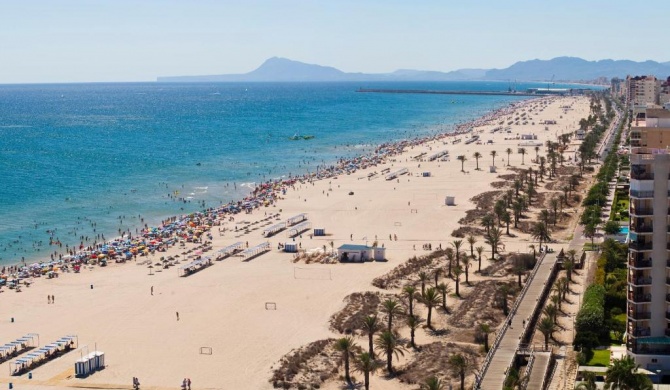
(510, 334)
(539, 370)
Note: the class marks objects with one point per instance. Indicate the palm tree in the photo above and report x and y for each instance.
(431, 298)
(569, 263)
(550, 311)
(507, 218)
(544, 215)
(537, 154)
(522, 151)
(519, 270)
(472, 241)
(588, 381)
(485, 329)
(554, 202)
(477, 156)
(494, 154)
(462, 159)
(388, 342)
(515, 380)
(423, 277)
(413, 322)
(466, 267)
(493, 238)
(547, 327)
(508, 151)
(436, 274)
(410, 292)
(449, 252)
(487, 222)
(444, 289)
(432, 383)
(480, 250)
(457, 251)
(459, 365)
(623, 374)
(457, 276)
(540, 232)
(346, 345)
(370, 326)
(366, 364)
(391, 308)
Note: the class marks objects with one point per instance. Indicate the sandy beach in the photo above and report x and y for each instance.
(223, 307)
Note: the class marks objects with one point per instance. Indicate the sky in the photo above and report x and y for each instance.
(53, 41)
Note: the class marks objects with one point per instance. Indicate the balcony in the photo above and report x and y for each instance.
(639, 298)
(639, 331)
(641, 281)
(641, 263)
(642, 175)
(641, 211)
(641, 194)
(640, 246)
(649, 346)
(642, 228)
(639, 316)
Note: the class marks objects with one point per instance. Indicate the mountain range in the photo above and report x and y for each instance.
(558, 69)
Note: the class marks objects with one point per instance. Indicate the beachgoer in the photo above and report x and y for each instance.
(188, 382)
(48, 299)
(177, 316)
(53, 299)
(152, 290)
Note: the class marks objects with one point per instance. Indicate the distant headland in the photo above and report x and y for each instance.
(559, 69)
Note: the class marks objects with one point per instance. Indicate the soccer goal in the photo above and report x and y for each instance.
(205, 350)
(312, 273)
(270, 306)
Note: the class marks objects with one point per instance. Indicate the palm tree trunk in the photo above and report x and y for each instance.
(411, 307)
(367, 380)
(390, 321)
(370, 345)
(462, 374)
(430, 312)
(346, 368)
(411, 338)
(389, 364)
(480, 263)
(444, 300)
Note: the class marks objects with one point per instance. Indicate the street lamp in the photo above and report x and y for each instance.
(658, 379)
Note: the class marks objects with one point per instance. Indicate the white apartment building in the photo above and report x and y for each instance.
(642, 90)
(648, 324)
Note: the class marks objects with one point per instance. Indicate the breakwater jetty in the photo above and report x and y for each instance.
(439, 92)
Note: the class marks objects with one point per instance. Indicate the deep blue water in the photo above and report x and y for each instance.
(77, 154)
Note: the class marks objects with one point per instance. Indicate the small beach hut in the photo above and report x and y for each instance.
(379, 253)
(290, 247)
(319, 232)
(425, 174)
(450, 200)
(353, 253)
(492, 168)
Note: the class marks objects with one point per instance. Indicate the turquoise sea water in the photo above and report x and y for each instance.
(78, 157)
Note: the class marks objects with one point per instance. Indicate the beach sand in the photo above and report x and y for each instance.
(223, 307)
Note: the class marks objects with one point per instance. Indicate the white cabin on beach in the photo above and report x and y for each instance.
(360, 253)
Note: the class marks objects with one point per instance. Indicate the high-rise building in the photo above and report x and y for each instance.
(648, 309)
(642, 90)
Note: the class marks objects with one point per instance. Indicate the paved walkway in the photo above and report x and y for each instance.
(539, 370)
(494, 377)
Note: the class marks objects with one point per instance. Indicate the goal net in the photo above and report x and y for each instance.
(312, 273)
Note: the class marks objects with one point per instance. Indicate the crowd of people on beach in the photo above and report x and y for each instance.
(193, 226)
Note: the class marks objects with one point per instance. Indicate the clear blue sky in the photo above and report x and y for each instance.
(138, 40)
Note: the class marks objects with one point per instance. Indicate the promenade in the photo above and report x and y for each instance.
(509, 338)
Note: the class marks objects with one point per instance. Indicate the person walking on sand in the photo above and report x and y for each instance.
(188, 383)
(177, 316)
(152, 290)
(53, 299)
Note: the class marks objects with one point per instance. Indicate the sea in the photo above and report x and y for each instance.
(83, 161)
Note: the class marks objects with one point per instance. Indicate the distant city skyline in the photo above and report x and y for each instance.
(101, 41)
